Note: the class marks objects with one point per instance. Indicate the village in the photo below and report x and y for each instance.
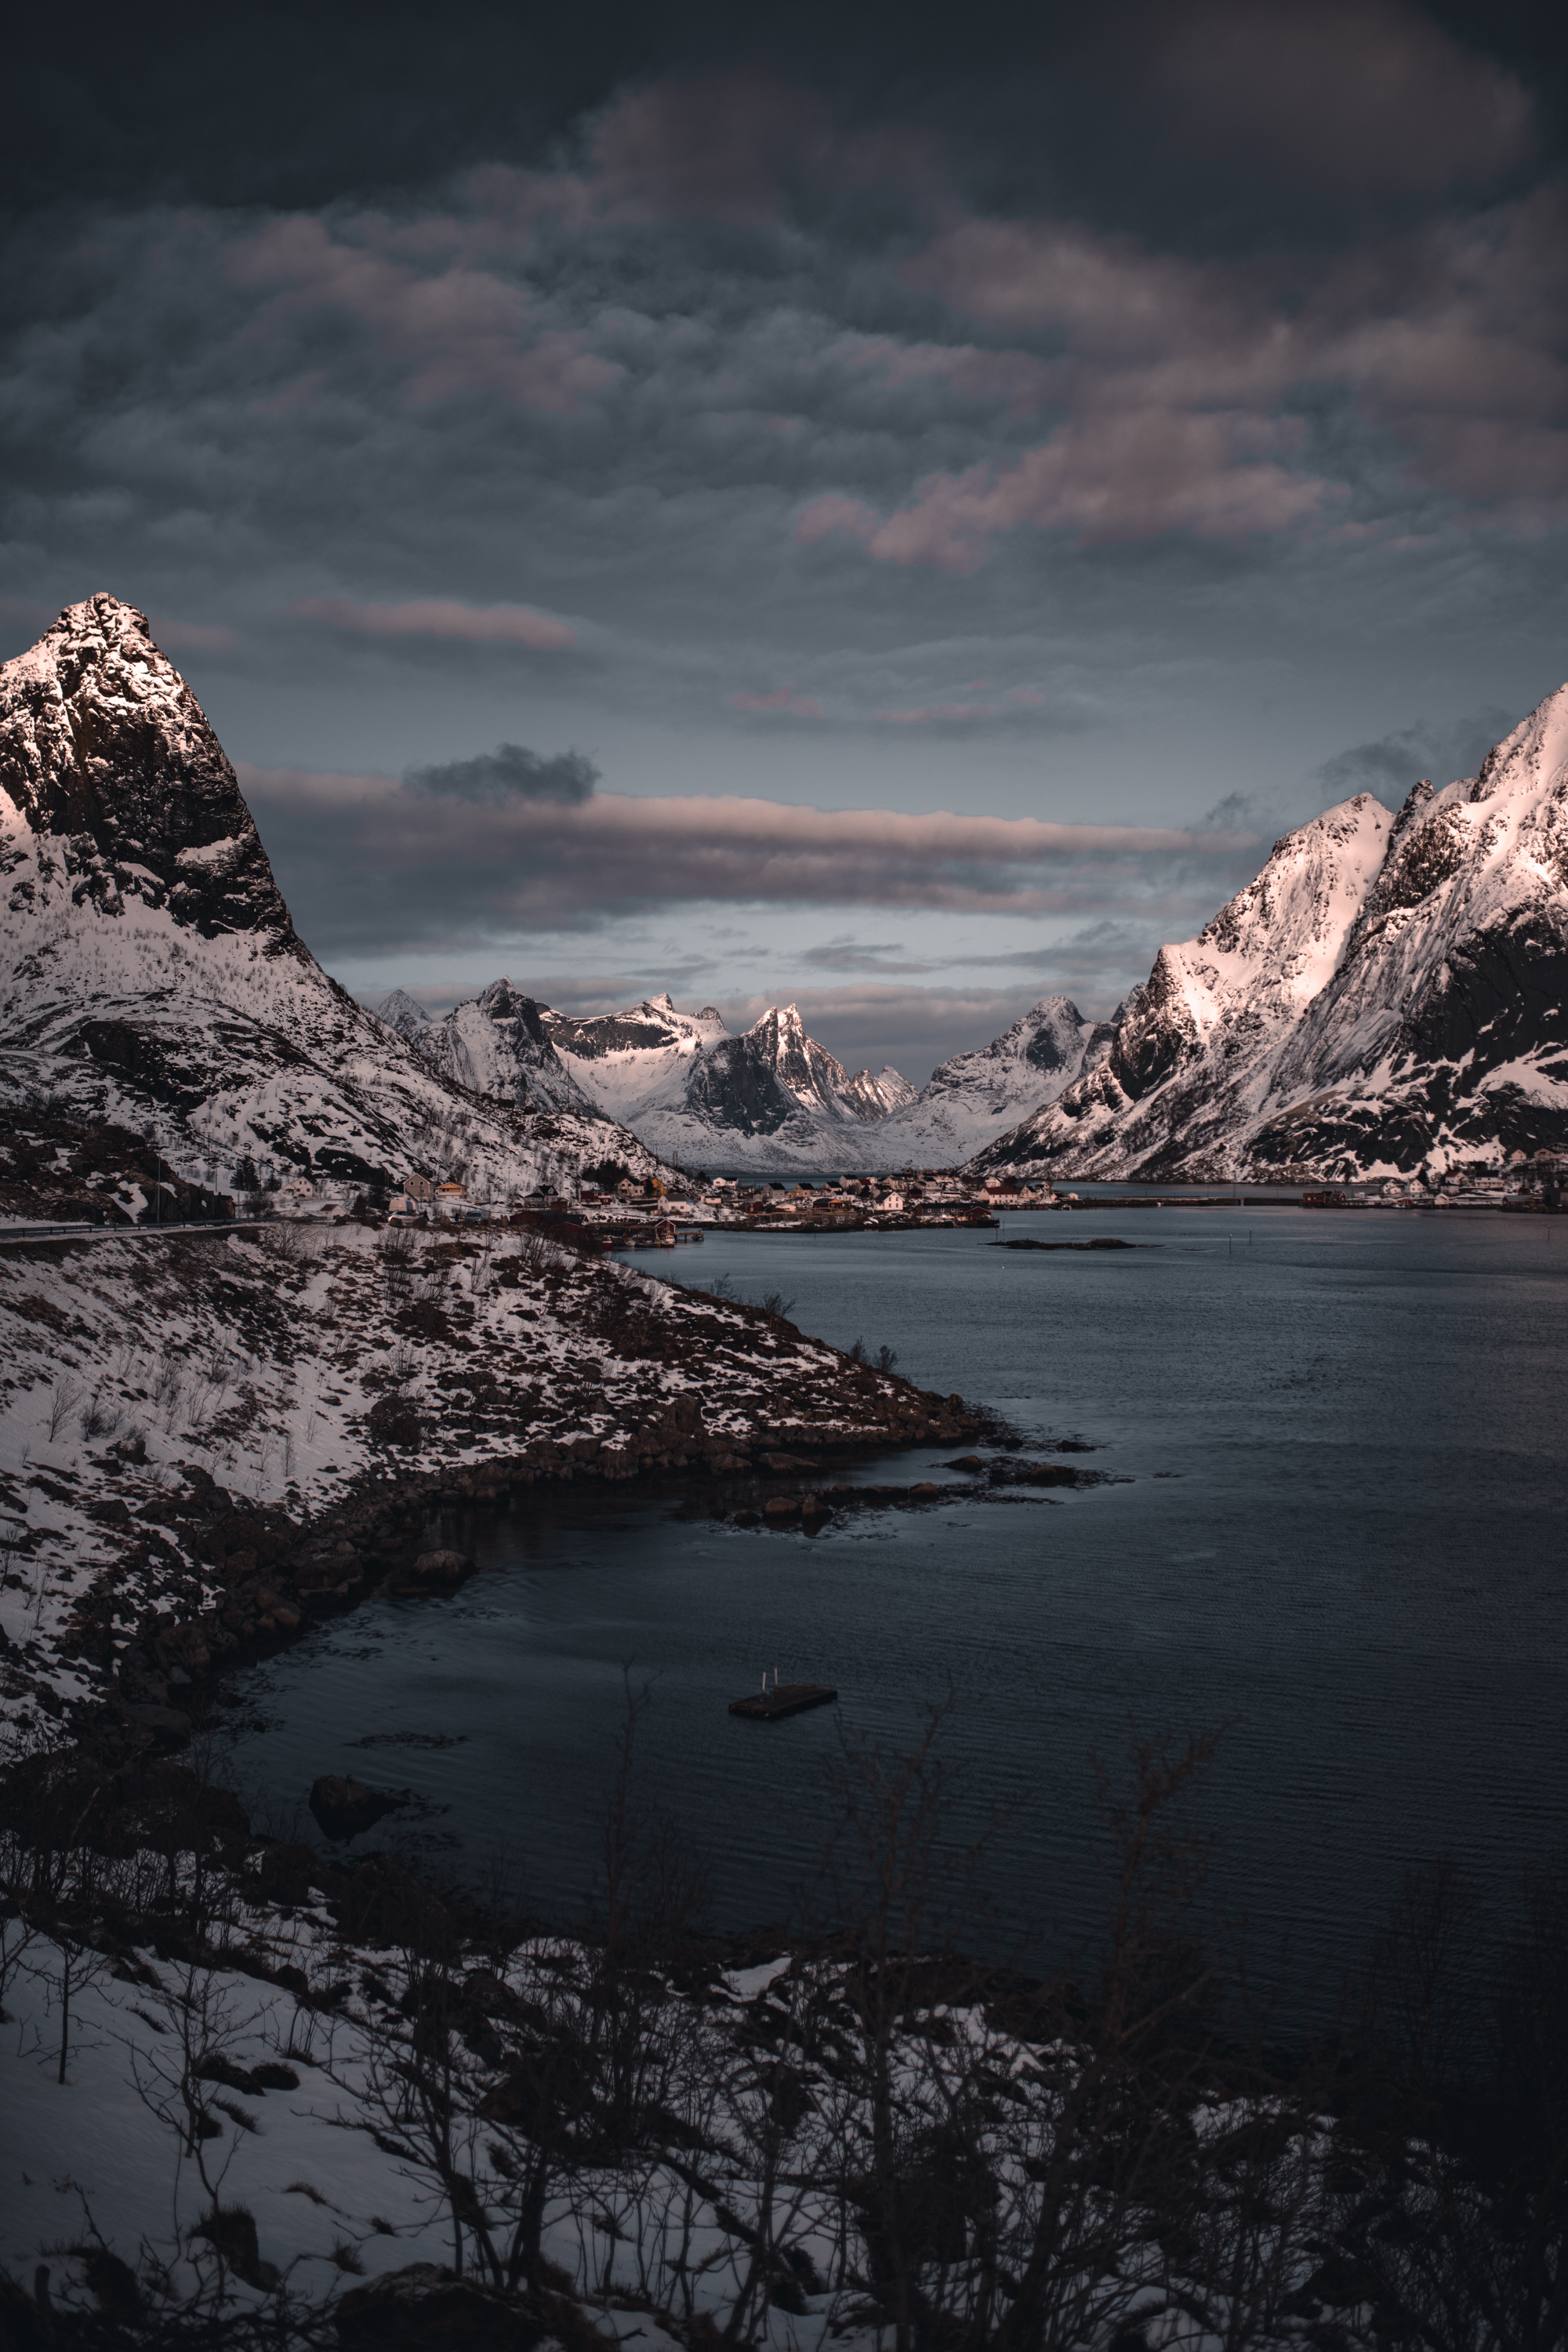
(611, 1208)
(620, 1212)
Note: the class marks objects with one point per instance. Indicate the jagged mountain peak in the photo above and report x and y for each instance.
(151, 979)
(1390, 993)
(104, 747)
(403, 1013)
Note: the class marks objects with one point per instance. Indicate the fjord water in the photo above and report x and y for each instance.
(1332, 1523)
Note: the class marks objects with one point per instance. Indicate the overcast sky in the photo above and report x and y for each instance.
(894, 510)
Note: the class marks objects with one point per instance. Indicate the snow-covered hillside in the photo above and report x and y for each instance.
(1390, 993)
(151, 977)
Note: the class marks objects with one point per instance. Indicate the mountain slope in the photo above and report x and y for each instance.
(770, 1099)
(975, 1096)
(151, 976)
(1390, 993)
(495, 1044)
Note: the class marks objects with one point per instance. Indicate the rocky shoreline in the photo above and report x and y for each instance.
(210, 1445)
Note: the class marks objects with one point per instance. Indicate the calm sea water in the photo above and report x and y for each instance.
(1335, 1527)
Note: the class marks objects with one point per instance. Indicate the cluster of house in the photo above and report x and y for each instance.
(918, 1192)
(698, 1201)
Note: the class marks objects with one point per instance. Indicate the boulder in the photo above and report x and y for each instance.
(425, 2309)
(781, 1506)
(433, 1571)
(170, 1727)
(344, 1808)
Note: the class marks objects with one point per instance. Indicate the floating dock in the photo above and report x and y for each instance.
(784, 1699)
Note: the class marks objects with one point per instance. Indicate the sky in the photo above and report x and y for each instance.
(891, 510)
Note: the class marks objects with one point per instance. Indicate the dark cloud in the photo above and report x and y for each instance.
(1440, 748)
(511, 772)
(1355, 97)
(1055, 412)
(371, 867)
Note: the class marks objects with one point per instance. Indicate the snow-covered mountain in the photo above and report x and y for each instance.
(975, 1097)
(770, 1099)
(495, 1044)
(1391, 993)
(151, 975)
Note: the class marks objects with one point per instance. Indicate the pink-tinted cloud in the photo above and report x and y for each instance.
(835, 514)
(1106, 478)
(799, 706)
(538, 863)
(192, 636)
(1176, 372)
(937, 713)
(476, 624)
(460, 326)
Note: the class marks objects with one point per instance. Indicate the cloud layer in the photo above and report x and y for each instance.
(374, 864)
(1107, 414)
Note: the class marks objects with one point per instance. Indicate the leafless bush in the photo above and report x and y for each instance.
(100, 1420)
(64, 1396)
(292, 1245)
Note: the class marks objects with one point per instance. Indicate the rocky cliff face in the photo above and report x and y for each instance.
(1391, 993)
(120, 790)
(151, 979)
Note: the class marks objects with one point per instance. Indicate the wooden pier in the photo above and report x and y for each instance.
(783, 1698)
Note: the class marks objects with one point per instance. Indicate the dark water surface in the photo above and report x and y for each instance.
(1337, 1527)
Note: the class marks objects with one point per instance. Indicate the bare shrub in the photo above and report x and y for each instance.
(100, 1420)
(64, 1396)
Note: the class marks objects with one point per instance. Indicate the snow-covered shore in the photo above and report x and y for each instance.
(207, 1440)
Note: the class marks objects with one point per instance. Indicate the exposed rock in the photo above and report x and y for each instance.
(344, 1808)
(433, 1571)
(427, 2308)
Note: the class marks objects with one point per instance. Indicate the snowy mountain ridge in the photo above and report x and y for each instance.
(1390, 994)
(770, 1099)
(151, 976)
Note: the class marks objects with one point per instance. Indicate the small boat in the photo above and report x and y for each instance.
(767, 1705)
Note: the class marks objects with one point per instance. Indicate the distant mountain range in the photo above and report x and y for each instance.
(769, 1099)
(152, 982)
(1390, 994)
